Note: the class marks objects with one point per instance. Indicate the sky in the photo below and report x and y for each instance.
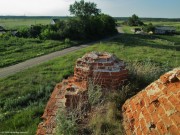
(115, 8)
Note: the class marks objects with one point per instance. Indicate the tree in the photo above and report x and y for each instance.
(134, 21)
(84, 9)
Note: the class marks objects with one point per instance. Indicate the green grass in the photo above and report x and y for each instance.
(164, 23)
(18, 22)
(127, 29)
(14, 50)
(24, 95)
(14, 23)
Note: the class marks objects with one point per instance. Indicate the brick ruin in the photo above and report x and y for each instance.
(104, 69)
(156, 109)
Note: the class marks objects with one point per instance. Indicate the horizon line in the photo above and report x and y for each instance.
(72, 16)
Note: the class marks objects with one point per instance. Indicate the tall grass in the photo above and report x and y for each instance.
(106, 120)
(66, 123)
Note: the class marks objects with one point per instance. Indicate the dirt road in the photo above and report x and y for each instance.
(4, 72)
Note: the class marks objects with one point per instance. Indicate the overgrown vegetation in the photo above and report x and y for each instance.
(94, 93)
(66, 123)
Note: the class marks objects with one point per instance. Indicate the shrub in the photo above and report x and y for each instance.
(149, 28)
(67, 41)
(108, 122)
(66, 123)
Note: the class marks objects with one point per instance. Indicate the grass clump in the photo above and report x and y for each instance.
(106, 120)
(94, 93)
(66, 123)
(144, 72)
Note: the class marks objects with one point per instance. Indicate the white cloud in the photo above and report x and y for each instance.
(34, 7)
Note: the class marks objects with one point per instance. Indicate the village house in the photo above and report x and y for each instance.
(54, 21)
(164, 30)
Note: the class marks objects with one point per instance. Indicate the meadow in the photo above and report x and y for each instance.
(18, 22)
(128, 29)
(14, 50)
(24, 95)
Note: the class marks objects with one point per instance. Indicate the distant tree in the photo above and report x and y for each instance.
(134, 21)
(84, 9)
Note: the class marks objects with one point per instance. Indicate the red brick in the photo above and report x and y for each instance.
(164, 79)
(161, 128)
(168, 106)
(177, 107)
(160, 110)
(176, 118)
(151, 108)
(136, 123)
(133, 106)
(138, 131)
(153, 97)
(142, 124)
(173, 130)
(147, 115)
(135, 114)
(172, 89)
(174, 100)
(155, 117)
(153, 132)
(166, 120)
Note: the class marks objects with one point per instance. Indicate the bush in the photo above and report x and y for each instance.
(149, 27)
(67, 41)
(66, 123)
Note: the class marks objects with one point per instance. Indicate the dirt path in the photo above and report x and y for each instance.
(4, 72)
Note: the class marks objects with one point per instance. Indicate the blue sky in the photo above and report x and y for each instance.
(119, 8)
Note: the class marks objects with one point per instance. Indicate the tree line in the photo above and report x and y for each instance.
(87, 23)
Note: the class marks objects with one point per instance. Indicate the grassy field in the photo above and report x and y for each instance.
(15, 23)
(127, 29)
(160, 23)
(14, 50)
(24, 95)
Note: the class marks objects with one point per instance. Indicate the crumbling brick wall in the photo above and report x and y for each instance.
(156, 109)
(103, 69)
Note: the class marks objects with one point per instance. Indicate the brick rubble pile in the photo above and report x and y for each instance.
(156, 109)
(103, 69)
